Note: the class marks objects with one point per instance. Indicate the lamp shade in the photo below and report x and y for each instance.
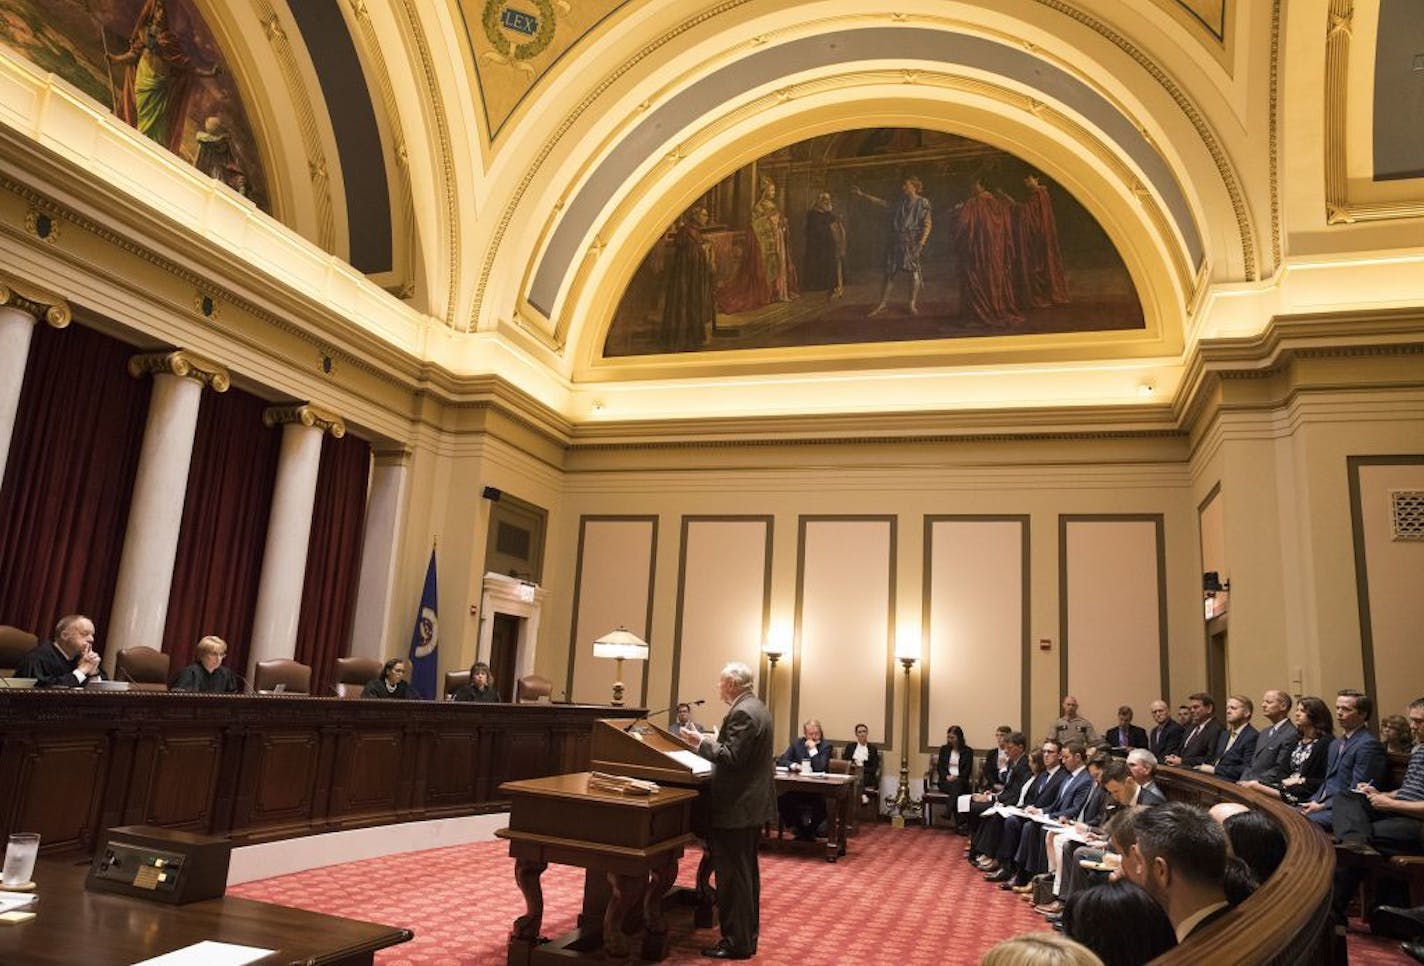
(621, 643)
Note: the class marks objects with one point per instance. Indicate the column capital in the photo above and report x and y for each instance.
(40, 303)
(181, 363)
(307, 415)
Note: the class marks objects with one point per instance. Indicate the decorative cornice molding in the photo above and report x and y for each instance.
(307, 415)
(184, 364)
(36, 301)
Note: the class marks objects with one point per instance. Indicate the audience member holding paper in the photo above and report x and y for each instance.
(1016, 778)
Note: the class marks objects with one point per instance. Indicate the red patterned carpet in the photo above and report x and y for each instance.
(902, 896)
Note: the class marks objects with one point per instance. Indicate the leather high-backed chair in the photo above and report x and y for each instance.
(454, 681)
(352, 674)
(144, 668)
(295, 675)
(531, 688)
(14, 645)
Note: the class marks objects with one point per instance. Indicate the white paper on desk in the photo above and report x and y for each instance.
(10, 901)
(209, 953)
(698, 764)
(962, 803)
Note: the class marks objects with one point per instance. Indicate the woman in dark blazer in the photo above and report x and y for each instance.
(1303, 762)
(867, 756)
(954, 769)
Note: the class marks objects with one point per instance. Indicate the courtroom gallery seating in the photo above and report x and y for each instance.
(143, 667)
(294, 675)
(14, 644)
(352, 673)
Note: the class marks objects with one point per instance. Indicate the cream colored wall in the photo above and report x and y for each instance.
(1294, 618)
(835, 480)
(1113, 628)
(1396, 578)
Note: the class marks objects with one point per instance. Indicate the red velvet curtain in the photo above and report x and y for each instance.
(333, 558)
(224, 528)
(64, 503)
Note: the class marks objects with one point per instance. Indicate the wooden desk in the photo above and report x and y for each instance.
(629, 846)
(838, 790)
(97, 929)
(256, 768)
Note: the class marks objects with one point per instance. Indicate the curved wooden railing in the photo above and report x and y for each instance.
(1287, 921)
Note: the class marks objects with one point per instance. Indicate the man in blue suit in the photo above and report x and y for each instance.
(1237, 745)
(1001, 836)
(1020, 835)
(1357, 757)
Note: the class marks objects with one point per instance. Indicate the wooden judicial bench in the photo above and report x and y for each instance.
(257, 768)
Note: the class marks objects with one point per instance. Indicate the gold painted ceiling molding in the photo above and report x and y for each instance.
(1244, 227)
(1191, 283)
(1339, 208)
(306, 120)
(444, 153)
(551, 142)
(1225, 172)
(403, 268)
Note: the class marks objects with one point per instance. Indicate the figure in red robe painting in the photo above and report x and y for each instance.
(158, 76)
(1040, 260)
(984, 253)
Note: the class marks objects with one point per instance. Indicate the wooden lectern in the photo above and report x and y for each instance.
(641, 749)
(628, 845)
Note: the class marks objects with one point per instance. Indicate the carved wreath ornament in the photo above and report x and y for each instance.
(499, 16)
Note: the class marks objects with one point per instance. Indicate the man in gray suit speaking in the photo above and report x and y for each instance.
(742, 798)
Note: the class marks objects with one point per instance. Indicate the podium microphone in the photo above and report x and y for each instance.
(650, 717)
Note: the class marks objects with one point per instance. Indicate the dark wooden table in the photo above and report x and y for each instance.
(96, 929)
(838, 791)
(628, 846)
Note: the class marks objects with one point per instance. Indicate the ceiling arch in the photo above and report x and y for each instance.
(841, 50)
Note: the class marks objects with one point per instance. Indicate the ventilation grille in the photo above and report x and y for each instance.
(1407, 514)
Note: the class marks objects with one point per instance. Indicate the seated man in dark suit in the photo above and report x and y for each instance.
(1166, 735)
(68, 661)
(1276, 706)
(1126, 734)
(994, 769)
(1072, 789)
(391, 684)
(1199, 746)
(804, 812)
(1237, 744)
(1372, 822)
(1356, 758)
(1016, 778)
(1042, 789)
(1180, 858)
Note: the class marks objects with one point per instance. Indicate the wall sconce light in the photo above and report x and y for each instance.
(620, 645)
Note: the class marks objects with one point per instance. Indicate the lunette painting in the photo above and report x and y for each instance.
(874, 235)
(155, 64)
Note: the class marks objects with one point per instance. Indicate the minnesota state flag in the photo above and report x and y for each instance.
(425, 639)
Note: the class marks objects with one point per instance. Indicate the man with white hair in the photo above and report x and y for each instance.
(741, 799)
(68, 661)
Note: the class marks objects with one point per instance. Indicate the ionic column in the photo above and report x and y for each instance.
(378, 553)
(284, 561)
(156, 509)
(21, 306)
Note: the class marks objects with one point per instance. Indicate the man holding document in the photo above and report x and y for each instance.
(741, 799)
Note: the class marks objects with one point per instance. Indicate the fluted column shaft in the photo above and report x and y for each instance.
(19, 311)
(378, 554)
(284, 561)
(156, 508)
